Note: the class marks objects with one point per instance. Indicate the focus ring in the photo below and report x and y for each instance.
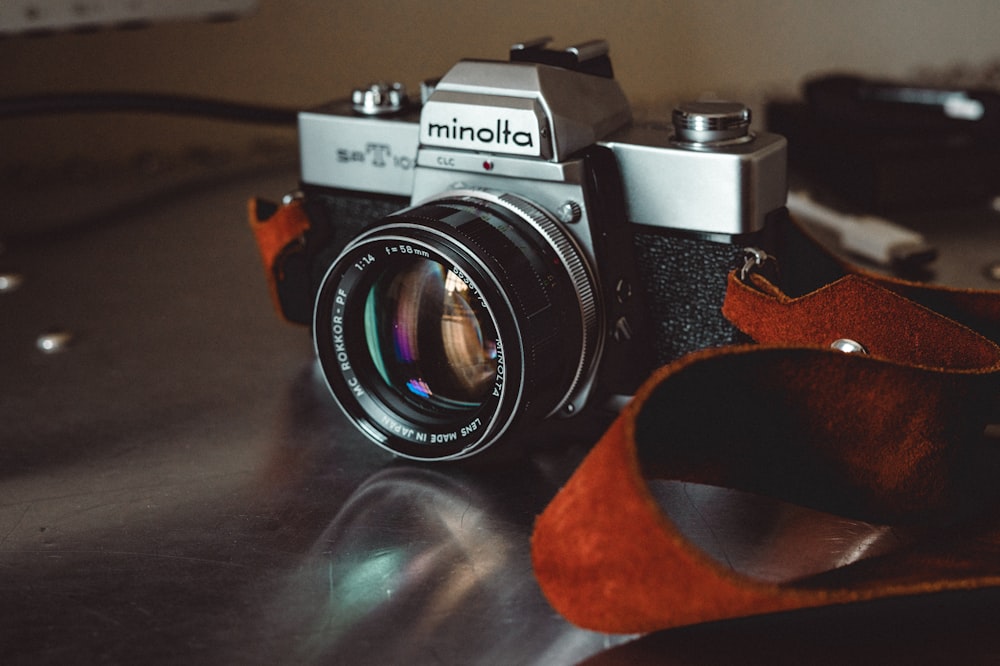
(578, 275)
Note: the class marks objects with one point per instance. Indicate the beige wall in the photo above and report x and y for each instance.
(300, 52)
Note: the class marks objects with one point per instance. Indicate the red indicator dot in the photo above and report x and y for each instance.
(487, 165)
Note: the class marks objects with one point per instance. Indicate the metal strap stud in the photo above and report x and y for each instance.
(849, 346)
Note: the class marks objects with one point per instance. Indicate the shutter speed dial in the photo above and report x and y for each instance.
(711, 123)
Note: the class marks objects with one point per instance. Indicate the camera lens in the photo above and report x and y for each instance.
(444, 325)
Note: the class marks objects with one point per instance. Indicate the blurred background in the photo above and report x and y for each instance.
(301, 52)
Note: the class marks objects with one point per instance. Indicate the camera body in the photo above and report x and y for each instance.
(515, 247)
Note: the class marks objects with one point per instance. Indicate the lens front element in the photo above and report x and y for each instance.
(429, 339)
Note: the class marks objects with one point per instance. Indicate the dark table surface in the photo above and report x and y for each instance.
(176, 485)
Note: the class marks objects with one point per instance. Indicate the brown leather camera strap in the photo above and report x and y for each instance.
(894, 436)
(276, 230)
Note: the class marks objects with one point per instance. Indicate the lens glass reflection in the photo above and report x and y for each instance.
(429, 337)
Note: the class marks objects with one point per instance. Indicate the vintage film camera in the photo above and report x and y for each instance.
(515, 247)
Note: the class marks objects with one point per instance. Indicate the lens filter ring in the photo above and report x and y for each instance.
(387, 377)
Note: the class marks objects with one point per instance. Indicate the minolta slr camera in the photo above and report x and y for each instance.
(512, 247)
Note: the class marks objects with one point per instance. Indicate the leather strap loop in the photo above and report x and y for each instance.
(896, 436)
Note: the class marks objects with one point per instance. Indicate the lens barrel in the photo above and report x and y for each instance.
(444, 325)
